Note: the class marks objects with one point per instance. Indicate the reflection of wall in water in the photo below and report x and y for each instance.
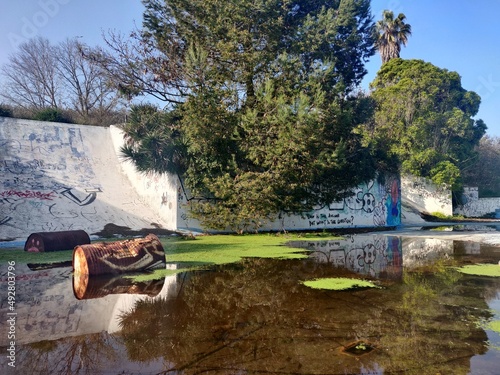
(466, 247)
(47, 309)
(419, 251)
(375, 256)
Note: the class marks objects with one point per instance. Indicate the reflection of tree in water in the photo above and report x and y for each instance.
(435, 326)
(257, 317)
(79, 355)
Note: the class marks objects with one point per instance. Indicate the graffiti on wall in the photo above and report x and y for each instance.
(372, 204)
(473, 206)
(39, 173)
(426, 196)
(377, 203)
(47, 180)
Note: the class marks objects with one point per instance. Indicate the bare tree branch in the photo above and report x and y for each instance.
(136, 67)
(40, 75)
(31, 76)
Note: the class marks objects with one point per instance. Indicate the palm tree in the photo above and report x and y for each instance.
(391, 33)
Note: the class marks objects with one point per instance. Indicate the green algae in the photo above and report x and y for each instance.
(491, 270)
(490, 326)
(222, 249)
(205, 251)
(20, 256)
(339, 283)
(494, 326)
(202, 252)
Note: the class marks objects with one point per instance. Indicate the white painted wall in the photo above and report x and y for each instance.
(372, 205)
(425, 196)
(477, 207)
(56, 177)
(157, 191)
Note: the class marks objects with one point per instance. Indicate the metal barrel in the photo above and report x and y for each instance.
(118, 257)
(56, 241)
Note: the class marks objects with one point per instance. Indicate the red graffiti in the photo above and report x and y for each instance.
(27, 194)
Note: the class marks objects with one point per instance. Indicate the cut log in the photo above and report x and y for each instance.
(117, 257)
(88, 287)
(56, 241)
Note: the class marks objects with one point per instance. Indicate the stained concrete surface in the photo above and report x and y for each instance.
(56, 177)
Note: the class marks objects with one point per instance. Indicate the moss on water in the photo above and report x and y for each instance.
(198, 253)
(491, 270)
(20, 256)
(223, 249)
(494, 326)
(489, 325)
(155, 275)
(339, 283)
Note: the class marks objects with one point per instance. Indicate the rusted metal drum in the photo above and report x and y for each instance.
(88, 287)
(118, 257)
(56, 241)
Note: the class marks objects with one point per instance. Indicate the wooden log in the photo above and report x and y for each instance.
(118, 257)
(56, 241)
(88, 287)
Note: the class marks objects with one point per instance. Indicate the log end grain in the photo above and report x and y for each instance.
(56, 241)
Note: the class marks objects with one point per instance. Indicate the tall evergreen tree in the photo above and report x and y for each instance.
(426, 119)
(266, 94)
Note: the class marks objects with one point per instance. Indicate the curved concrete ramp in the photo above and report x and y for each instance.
(410, 214)
(56, 177)
(420, 198)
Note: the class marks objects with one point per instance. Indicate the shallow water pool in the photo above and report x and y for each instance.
(256, 316)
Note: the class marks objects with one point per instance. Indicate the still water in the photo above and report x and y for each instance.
(257, 317)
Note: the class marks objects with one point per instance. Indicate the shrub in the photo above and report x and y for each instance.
(52, 114)
(5, 111)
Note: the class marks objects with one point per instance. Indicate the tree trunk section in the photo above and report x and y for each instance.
(118, 257)
(56, 241)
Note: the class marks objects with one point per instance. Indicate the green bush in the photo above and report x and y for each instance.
(442, 216)
(5, 111)
(53, 115)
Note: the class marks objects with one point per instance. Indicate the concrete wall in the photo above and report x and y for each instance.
(425, 196)
(376, 204)
(157, 191)
(56, 177)
(473, 206)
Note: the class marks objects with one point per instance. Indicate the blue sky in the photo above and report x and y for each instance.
(458, 35)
